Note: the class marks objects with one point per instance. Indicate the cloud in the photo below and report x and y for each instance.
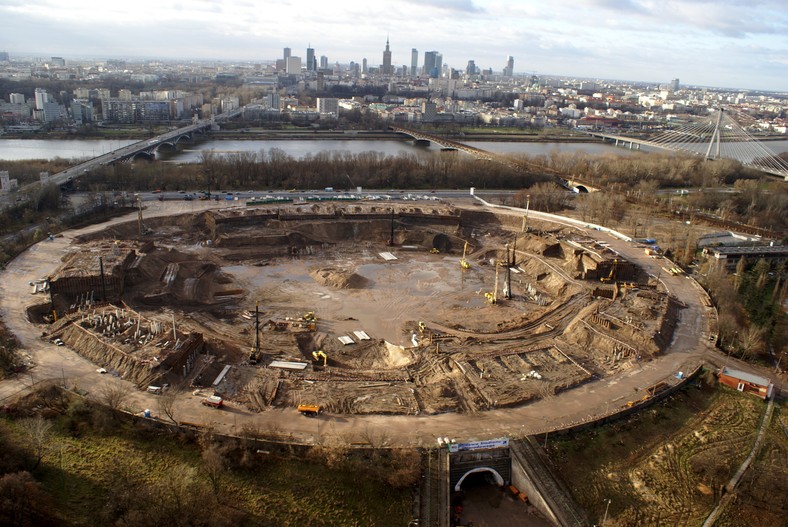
(464, 6)
(700, 40)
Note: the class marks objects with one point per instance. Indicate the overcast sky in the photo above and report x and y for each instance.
(723, 43)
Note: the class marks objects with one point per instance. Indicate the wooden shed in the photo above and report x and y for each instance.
(747, 382)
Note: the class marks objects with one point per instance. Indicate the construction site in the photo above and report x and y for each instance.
(355, 307)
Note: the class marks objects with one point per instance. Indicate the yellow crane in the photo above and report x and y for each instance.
(464, 263)
(493, 296)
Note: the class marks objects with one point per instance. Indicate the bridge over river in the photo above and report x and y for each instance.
(146, 147)
(567, 182)
(715, 136)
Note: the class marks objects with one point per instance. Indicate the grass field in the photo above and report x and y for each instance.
(99, 470)
(668, 464)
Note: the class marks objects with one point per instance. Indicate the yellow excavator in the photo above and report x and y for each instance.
(464, 263)
(317, 355)
(612, 275)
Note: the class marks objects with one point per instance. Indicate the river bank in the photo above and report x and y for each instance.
(138, 134)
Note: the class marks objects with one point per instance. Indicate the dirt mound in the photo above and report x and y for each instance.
(338, 278)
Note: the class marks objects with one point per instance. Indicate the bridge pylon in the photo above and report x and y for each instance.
(715, 136)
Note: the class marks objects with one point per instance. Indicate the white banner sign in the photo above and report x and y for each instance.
(501, 442)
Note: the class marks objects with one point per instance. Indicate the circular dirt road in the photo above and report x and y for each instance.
(586, 402)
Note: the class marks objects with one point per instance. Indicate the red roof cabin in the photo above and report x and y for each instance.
(747, 382)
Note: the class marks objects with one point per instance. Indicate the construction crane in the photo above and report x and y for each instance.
(511, 261)
(254, 357)
(492, 297)
(464, 263)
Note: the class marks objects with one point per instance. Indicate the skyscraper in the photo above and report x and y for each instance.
(41, 98)
(323, 62)
(431, 66)
(311, 65)
(286, 54)
(386, 70)
(675, 84)
(508, 71)
(414, 61)
(471, 68)
(293, 65)
(364, 67)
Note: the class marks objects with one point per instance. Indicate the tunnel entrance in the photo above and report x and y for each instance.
(478, 477)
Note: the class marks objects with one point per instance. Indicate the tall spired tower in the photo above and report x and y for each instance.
(386, 69)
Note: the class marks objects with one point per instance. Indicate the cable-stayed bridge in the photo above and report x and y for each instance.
(716, 136)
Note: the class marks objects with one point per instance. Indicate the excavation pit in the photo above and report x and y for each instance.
(414, 334)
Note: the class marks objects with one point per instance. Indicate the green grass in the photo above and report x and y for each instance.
(694, 438)
(83, 472)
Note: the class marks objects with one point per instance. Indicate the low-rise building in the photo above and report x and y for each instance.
(747, 382)
(730, 256)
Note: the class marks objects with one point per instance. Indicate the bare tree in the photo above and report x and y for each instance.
(22, 502)
(751, 341)
(37, 429)
(167, 402)
(376, 438)
(113, 395)
(214, 463)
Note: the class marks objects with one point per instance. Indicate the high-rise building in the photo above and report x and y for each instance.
(439, 64)
(428, 112)
(4, 56)
(286, 54)
(323, 62)
(386, 69)
(471, 68)
(16, 98)
(311, 65)
(328, 106)
(41, 97)
(414, 61)
(58, 61)
(431, 65)
(293, 66)
(508, 70)
(364, 66)
(675, 85)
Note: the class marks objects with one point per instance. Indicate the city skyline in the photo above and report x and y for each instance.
(721, 44)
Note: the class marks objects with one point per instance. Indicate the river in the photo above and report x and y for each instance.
(27, 149)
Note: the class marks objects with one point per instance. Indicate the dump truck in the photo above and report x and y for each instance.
(310, 410)
(214, 400)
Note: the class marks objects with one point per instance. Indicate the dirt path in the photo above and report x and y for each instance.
(689, 347)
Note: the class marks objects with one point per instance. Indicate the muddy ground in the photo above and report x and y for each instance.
(421, 335)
